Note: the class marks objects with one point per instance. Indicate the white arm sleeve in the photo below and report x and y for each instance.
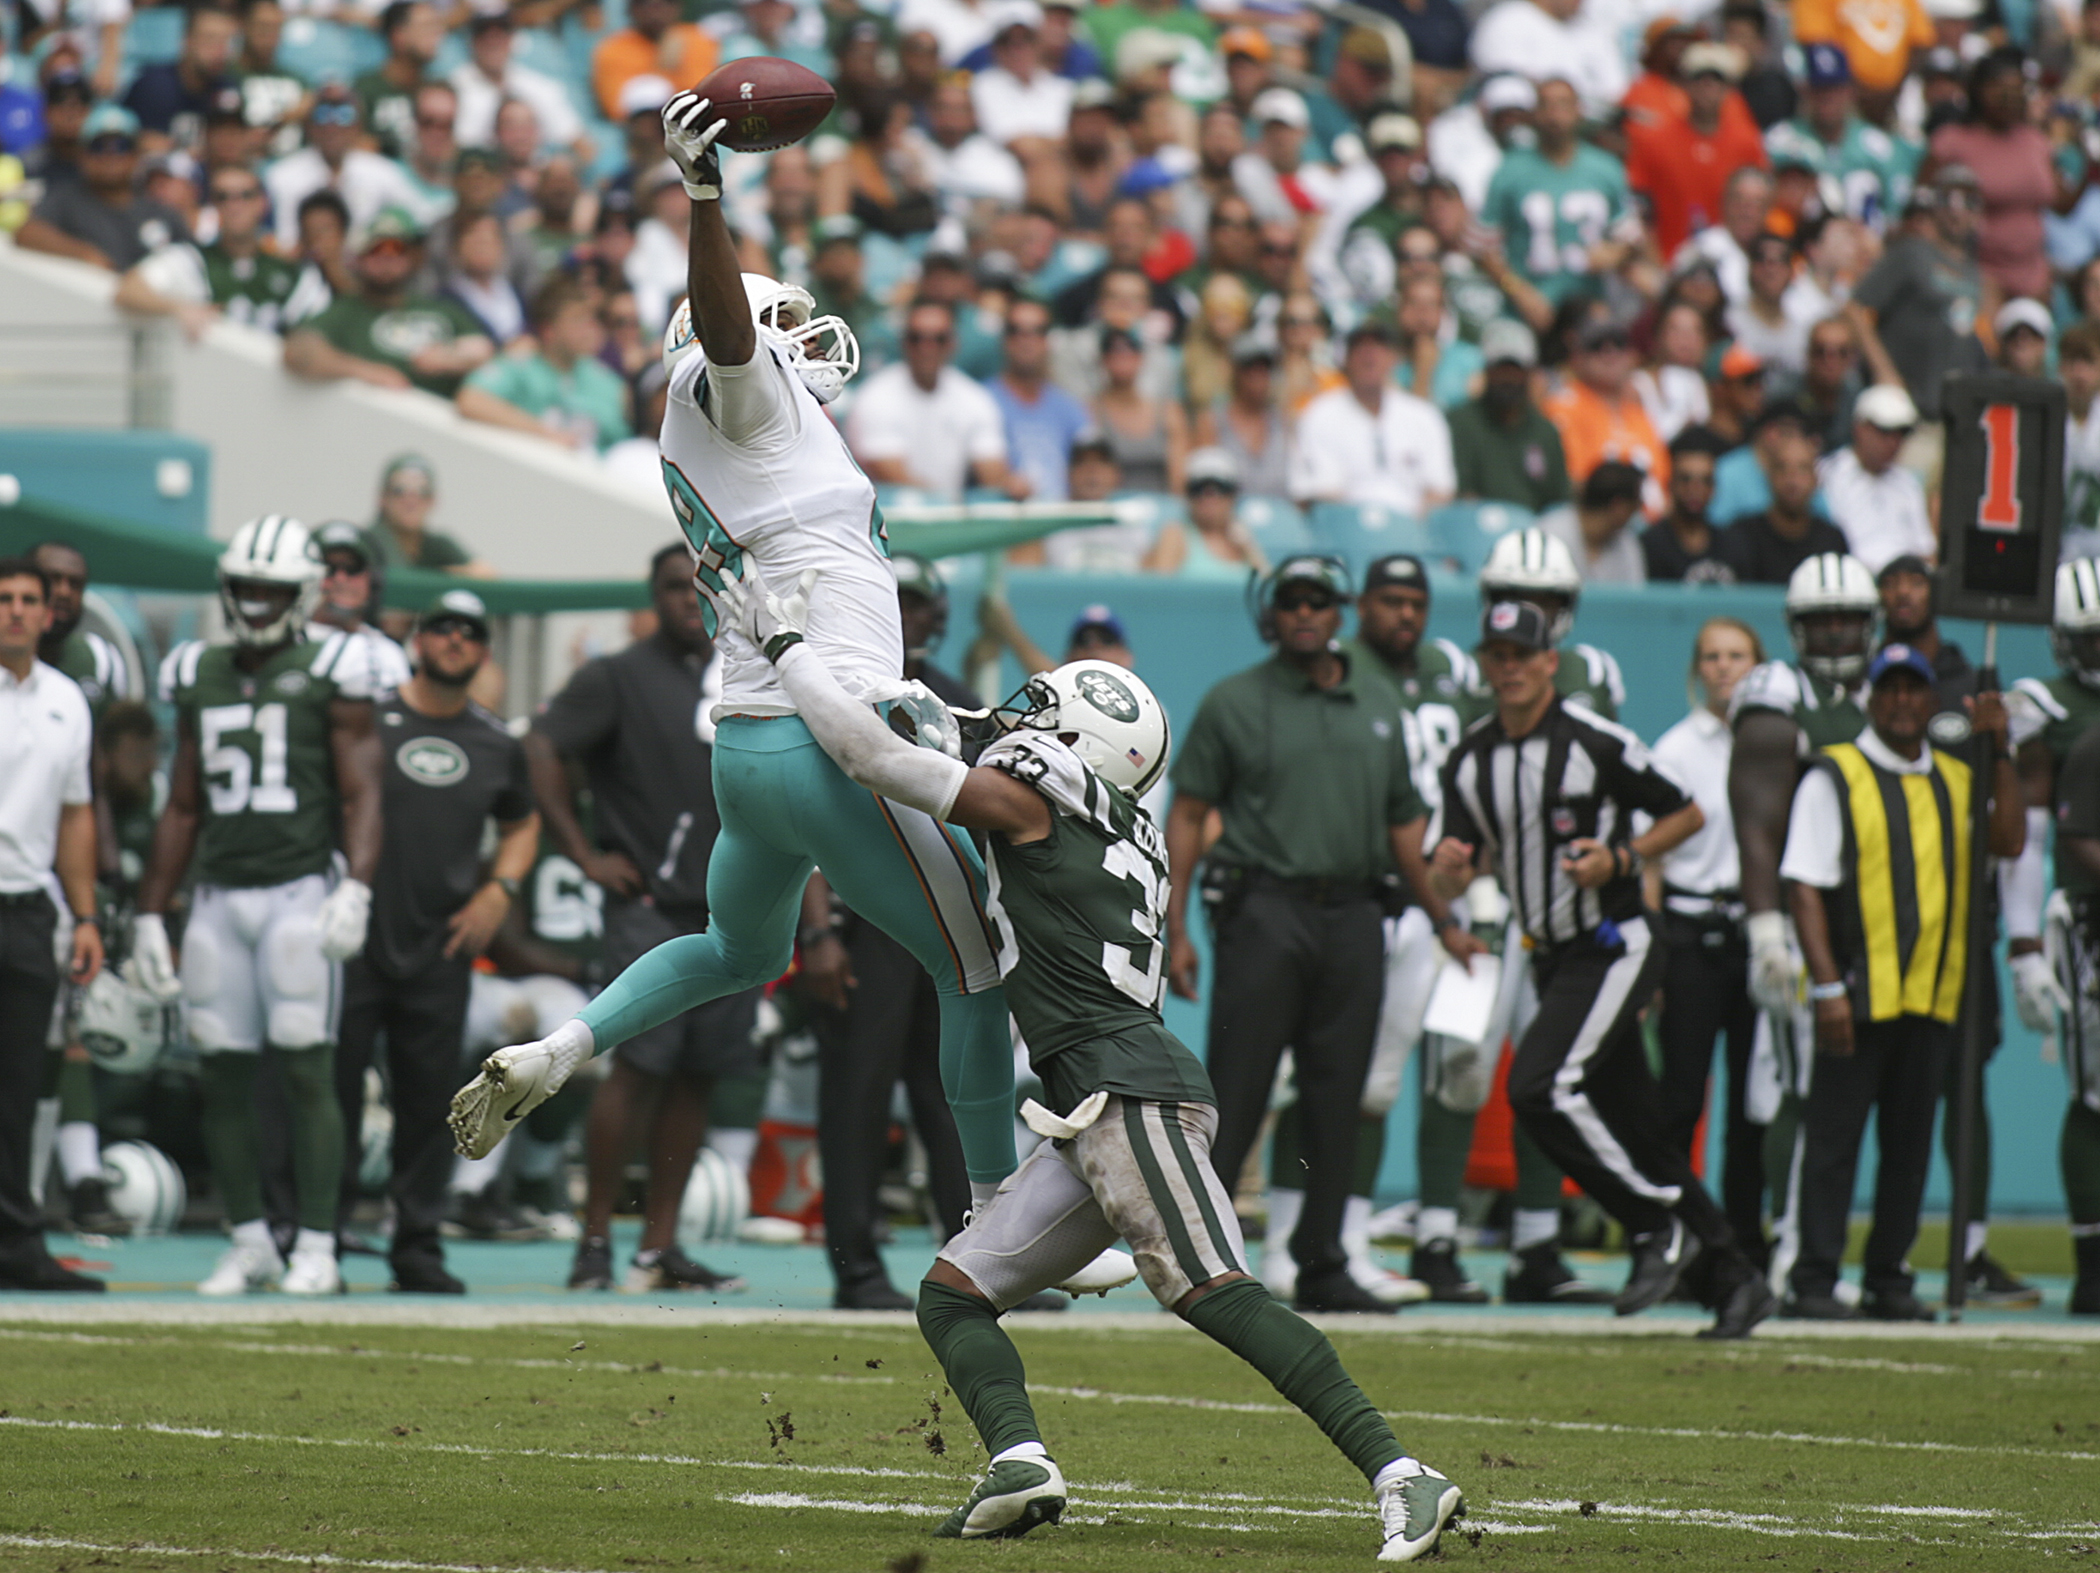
(2023, 882)
(869, 752)
(752, 405)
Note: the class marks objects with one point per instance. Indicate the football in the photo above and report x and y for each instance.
(768, 102)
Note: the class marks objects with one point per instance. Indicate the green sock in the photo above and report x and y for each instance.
(228, 1117)
(1370, 1154)
(1538, 1176)
(981, 1364)
(1443, 1142)
(76, 1092)
(317, 1132)
(2078, 1150)
(1300, 1364)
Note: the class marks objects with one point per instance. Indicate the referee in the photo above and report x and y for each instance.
(1550, 791)
(1306, 759)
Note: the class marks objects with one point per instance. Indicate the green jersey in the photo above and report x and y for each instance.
(391, 335)
(1824, 712)
(1551, 215)
(564, 907)
(1080, 917)
(2057, 711)
(255, 291)
(95, 664)
(268, 806)
(1437, 691)
(1870, 169)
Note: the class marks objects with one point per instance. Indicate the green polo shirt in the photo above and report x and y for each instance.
(1308, 780)
(392, 334)
(1522, 464)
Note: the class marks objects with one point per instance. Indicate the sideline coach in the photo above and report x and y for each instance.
(1306, 758)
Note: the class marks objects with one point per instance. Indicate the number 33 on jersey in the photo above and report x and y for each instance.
(269, 809)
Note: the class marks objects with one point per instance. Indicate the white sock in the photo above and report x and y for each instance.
(314, 1241)
(1972, 1238)
(472, 1176)
(80, 1152)
(41, 1136)
(1435, 1223)
(737, 1143)
(1356, 1227)
(1024, 1450)
(1534, 1226)
(255, 1234)
(1285, 1207)
(2085, 1231)
(981, 1194)
(1401, 1468)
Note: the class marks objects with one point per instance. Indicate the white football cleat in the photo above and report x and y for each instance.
(1413, 1510)
(313, 1271)
(512, 1083)
(244, 1269)
(1110, 1270)
(1384, 1284)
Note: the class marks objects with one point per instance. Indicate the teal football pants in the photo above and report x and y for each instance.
(785, 809)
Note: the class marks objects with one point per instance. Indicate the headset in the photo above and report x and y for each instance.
(1322, 568)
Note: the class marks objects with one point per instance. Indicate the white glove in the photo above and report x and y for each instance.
(1775, 977)
(343, 918)
(770, 621)
(690, 128)
(152, 963)
(2036, 993)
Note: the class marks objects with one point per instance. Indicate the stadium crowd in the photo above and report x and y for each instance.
(1679, 289)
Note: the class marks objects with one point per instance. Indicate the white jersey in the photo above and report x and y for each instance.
(754, 466)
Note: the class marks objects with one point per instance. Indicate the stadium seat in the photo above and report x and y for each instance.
(1360, 532)
(1278, 528)
(1461, 534)
(324, 52)
(154, 36)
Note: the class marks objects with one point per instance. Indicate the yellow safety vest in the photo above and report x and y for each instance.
(1901, 919)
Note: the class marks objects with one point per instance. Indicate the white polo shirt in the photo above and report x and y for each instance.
(1883, 516)
(1695, 752)
(1815, 829)
(45, 734)
(1397, 457)
(939, 435)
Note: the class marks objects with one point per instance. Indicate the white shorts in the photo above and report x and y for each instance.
(252, 968)
(1141, 1173)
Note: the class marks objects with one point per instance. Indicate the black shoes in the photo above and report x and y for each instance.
(424, 1277)
(1897, 1305)
(1436, 1264)
(1537, 1276)
(477, 1215)
(593, 1266)
(1335, 1290)
(673, 1269)
(1748, 1301)
(871, 1294)
(1818, 1308)
(1990, 1284)
(41, 1273)
(1659, 1260)
(88, 1204)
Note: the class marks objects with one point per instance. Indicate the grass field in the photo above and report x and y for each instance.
(811, 1445)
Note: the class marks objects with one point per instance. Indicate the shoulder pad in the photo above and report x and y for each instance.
(1773, 686)
(178, 669)
(1048, 765)
(1464, 673)
(347, 660)
(2036, 692)
(1604, 673)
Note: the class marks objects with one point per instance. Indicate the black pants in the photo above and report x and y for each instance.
(1706, 993)
(1896, 1071)
(28, 989)
(1580, 1084)
(1294, 973)
(423, 1018)
(890, 1032)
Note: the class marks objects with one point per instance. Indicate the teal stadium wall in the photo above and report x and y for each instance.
(1188, 635)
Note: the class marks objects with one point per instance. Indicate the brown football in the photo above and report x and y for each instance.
(768, 102)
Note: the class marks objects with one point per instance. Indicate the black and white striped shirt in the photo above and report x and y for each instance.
(1573, 776)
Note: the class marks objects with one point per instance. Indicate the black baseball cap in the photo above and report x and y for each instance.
(1909, 562)
(460, 606)
(1403, 568)
(340, 535)
(1517, 623)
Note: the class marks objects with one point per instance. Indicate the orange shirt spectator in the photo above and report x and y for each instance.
(1876, 35)
(654, 43)
(1599, 415)
(1681, 165)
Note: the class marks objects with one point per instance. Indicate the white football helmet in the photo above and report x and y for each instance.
(1833, 582)
(144, 1186)
(121, 1025)
(273, 551)
(2074, 627)
(717, 1201)
(1526, 564)
(822, 350)
(1107, 715)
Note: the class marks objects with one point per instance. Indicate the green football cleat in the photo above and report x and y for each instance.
(1413, 1513)
(1012, 1499)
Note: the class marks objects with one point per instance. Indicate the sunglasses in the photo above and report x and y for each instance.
(1017, 330)
(409, 491)
(335, 114)
(1232, 223)
(1289, 321)
(432, 123)
(347, 570)
(236, 193)
(464, 628)
(112, 143)
(389, 247)
(927, 338)
(1304, 601)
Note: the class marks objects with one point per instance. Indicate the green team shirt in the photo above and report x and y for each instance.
(1080, 917)
(1550, 215)
(93, 662)
(564, 908)
(2057, 711)
(1436, 691)
(268, 805)
(391, 335)
(256, 290)
(1871, 169)
(1824, 712)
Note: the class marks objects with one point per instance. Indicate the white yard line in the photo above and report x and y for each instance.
(145, 1548)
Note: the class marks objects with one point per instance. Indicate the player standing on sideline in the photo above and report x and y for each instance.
(1078, 893)
(1549, 792)
(755, 469)
(275, 744)
(2054, 975)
